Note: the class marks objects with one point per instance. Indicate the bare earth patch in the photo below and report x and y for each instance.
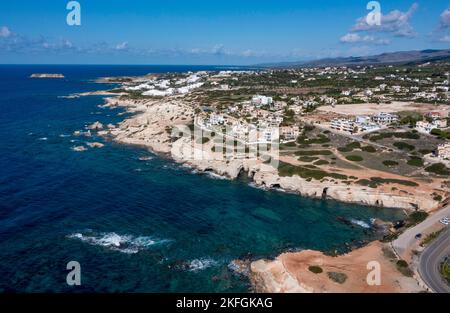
(290, 272)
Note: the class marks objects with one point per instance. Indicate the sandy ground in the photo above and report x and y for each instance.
(290, 273)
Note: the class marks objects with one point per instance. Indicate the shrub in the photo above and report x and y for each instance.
(286, 169)
(403, 268)
(374, 182)
(417, 217)
(307, 158)
(320, 139)
(404, 135)
(415, 161)
(369, 149)
(339, 278)
(315, 269)
(289, 144)
(425, 151)
(354, 158)
(350, 147)
(345, 149)
(321, 162)
(440, 133)
(314, 152)
(404, 146)
(445, 269)
(438, 168)
(390, 163)
(431, 237)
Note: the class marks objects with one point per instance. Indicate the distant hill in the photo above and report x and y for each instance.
(402, 57)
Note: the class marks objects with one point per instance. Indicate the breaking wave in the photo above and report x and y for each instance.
(217, 176)
(123, 243)
(360, 223)
(145, 158)
(201, 264)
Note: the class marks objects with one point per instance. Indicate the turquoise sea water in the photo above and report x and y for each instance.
(135, 222)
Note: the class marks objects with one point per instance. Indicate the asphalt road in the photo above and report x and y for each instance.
(404, 242)
(430, 260)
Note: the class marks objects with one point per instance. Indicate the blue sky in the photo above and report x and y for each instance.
(215, 31)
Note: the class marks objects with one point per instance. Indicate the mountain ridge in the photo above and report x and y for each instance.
(399, 57)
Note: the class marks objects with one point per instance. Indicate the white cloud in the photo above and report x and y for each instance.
(351, 38)
(445, 39)
(122, 46)
(4, 32)
(356, 38)
(395, 22)
(218, 49)
(445, 19)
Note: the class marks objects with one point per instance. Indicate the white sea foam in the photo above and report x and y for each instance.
(64, 136)
(254, 185)
(360, 223)
(123, 243)
(43, 138)
(201, 264)
(146, 158)
(216, 176)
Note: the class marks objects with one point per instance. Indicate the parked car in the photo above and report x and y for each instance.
(418, 236)
(445, 221)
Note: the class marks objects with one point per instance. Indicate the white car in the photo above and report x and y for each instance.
(445, 221)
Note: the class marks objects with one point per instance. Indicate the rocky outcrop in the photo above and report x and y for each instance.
(346, 193)
(95, 144)
(95, 126)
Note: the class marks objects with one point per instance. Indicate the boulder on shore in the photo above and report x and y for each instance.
(95, 126)
(95, 144)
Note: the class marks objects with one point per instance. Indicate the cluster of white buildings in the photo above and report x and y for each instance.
(260, 101)
(437, 121)
(166, 87)
(443, 151)
(250, 123)
(363, 123)
(427, 127)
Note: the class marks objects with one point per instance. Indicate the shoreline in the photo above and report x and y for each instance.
(136, 130)
(146, 128)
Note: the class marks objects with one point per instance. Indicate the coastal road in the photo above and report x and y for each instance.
(430, 260)
(404, 242)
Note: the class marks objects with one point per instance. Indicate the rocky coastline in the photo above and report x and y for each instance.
(151, 126)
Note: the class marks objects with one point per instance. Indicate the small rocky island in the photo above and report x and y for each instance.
(45, 75)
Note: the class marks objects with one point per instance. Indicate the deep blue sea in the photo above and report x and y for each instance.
(135, 222)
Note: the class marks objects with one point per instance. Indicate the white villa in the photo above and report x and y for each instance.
(289, 133)
(343, 124)
(259, 100)
(384, 118)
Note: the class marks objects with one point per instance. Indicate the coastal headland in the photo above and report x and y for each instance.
(388, 164)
